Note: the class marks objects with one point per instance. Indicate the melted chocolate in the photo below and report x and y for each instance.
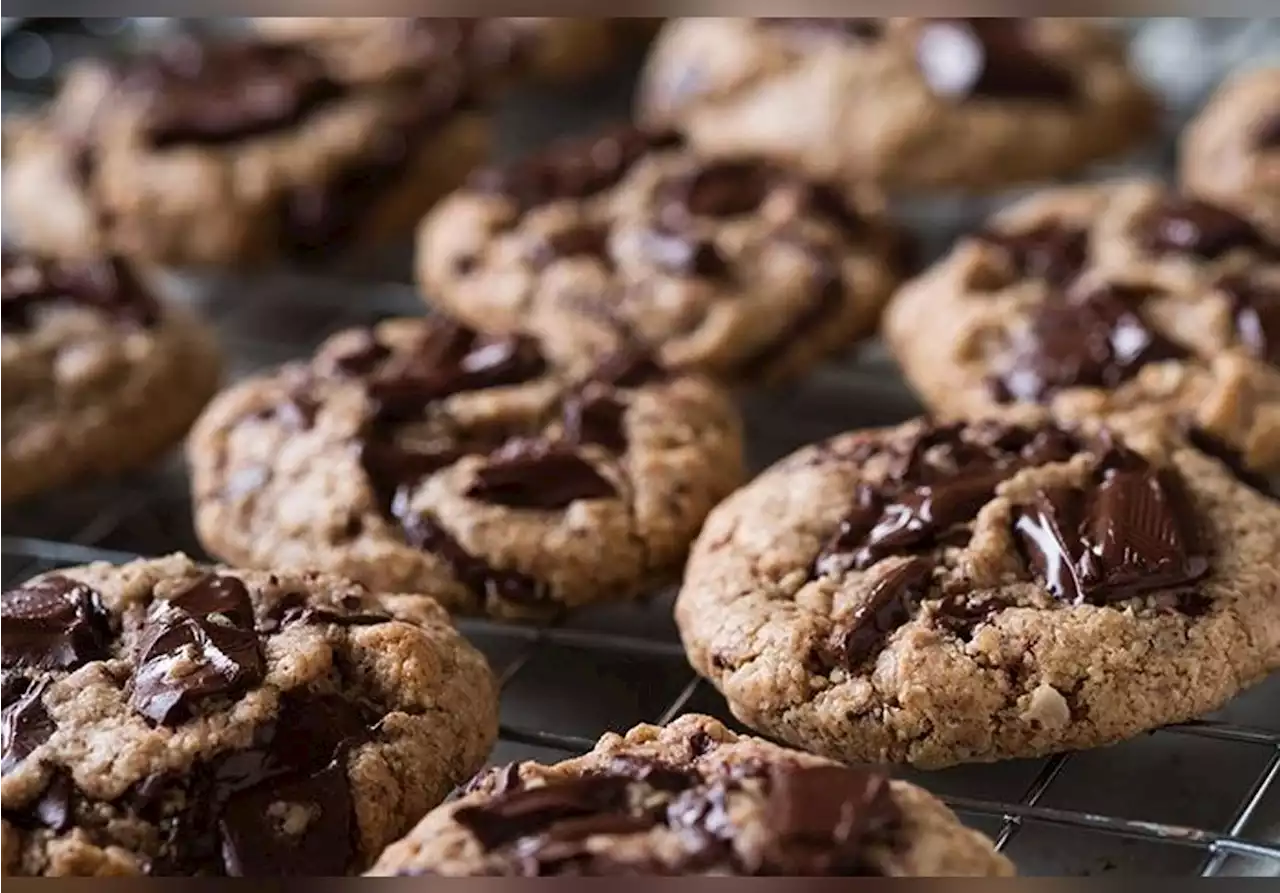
(1050, 251)
(990, 58)
(478, 576)
(54, 623)
(26, 722)
(890, 604)
(1098, 339)
(683, 254)
(573, 168)
(1131, 531)
(595, 417)
(108, 286)
(1182, 225)
(194, 646)
(1255, 310)
(538, 475)
(581, 240)
(1228, 455)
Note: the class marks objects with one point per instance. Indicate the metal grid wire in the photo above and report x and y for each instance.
(1199, 798)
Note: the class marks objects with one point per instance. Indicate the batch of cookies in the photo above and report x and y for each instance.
(1078, 545)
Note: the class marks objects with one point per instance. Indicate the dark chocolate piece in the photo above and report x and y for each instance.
(538, 475)
(54, 623)
(1050, 251)
(990, 59)
(1182, 225)
(107, 286)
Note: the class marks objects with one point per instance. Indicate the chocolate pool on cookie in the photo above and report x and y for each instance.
(946, 593)
(168, 718)
(422, 455)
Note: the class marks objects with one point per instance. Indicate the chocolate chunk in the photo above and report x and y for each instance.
(107, 286)
(450, 359)
(573, 168)
(1229, 456)
(960, 615)
(284, 806)
(826, 201)
(822, 817)
(596, 418)
(54, 623)
(391, 467)
(889, 605)
(1181, 225)
(368, 353)
(26, 722)
(990, 58)
(1268, 135)
(581, 240)
(538, 475)
(859, 28)
(210, 94)
(506, 778)
(629, 367)
(505, 819)
(1050, 251)
(197, 645)
(1096, 340)
(655, 773)
(683, 254)
(1255, 308)
(53, 809)
(308, 616)
(941, 480)
(1130, 532)
(716, 189)
(483, 580)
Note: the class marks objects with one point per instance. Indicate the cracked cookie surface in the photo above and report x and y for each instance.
(168, 718)
(421, 455)
(99, 375)
(1104, 300)
(735, 268)
(1231, 152)
(235, 153)
(937, 594)
(908, 104)
(691, 798)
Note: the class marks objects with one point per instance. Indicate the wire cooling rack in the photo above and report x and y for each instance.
(1200, 798)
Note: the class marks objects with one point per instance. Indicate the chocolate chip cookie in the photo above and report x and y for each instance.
(1231, 152)
(1104, 299)
(937, 594)
(168, 718)
(235, 153)
(420, 455)
(691, 798)
(909, 104)
(737, 268)
(498, 50)
(99, 375)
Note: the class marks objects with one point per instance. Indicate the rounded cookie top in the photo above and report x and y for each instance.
(937, 594)
(163, 717)
(691, 798)
(495, 49)
(1105, 299)
(1231, 152)
(209, 152)
(98, 373)
(419, 454)
(965, 104)
(737, 268)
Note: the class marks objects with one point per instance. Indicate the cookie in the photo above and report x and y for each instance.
(555, 50)
(691, 798)
(909, 104)
(235, 154)
(736, 268)
(99, 375)
(1100, 300)
(420, 455)
(936, 594)
(1230, 153)
(168, 718)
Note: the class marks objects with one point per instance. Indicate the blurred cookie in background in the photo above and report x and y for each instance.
(1105, 299)
(912, 105)
(739, 268)
(233, 152)
(551, 50)
(100, 375)
(1230, 153)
